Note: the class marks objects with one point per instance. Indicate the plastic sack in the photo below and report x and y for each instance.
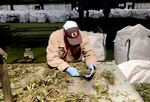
(23, 16)
(136, 71)
(98, 43)
(74, 14)
(37, 16)
(57, 15)
(41, 18)
(132, 43)
(3, 17)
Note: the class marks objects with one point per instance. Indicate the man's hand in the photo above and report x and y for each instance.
(73, 71)
(91, 67)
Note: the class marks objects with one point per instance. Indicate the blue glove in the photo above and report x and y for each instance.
(91, 67)
(73, 71)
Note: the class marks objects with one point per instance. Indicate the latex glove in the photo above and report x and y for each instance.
(91, 67)
(73, 71)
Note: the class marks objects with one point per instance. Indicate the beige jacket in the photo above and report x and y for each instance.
(56, 50)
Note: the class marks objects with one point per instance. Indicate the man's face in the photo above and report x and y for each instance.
(75, 49)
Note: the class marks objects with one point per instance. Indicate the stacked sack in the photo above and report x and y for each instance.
(57, 15)
(37, 16)
(95, 13)
(62, 15)
(131, 53)
(132, 43)
(23, 16)
(120, 13)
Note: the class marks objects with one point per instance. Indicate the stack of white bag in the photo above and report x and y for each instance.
(98, 43)
(120, 13)
(140, 13)
(23, 16)
(8, 16)
(95, 13)
(57, 15)
(11, 16)
(74, 14)
(132, 43)
(131, 52)
(37, 16)
(3, 16)
(136, 71)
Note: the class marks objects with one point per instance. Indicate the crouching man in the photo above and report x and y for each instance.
(69, 44)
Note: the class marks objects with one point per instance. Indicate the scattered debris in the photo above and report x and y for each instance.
(27, 57)
(109, 76)
(38, 83)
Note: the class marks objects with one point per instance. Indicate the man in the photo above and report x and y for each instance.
(69, 45)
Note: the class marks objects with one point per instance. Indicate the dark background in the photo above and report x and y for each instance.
(110, 26)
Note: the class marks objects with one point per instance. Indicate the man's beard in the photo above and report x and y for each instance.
(76, 52)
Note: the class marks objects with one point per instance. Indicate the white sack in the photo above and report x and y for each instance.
(23, 16)
(12, 16)
(32, 16)
(136, 71)
(140, 13)
(41, 17)
(37, 16)
(3, 17)
(57, 15)
(132, 43)
(98, 43)
(120, 13)
(95, 13)
(74, 14)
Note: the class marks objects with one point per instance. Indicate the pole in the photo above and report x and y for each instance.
(5, 80)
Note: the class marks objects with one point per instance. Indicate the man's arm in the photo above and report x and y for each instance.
(52, 50)
(53, 58)
(89, 52)
(90, 57)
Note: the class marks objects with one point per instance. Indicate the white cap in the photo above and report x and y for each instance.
(70, 24)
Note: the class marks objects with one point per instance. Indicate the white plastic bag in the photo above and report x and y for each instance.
(57, 15)
(136, 71)
(132, 43)
(23, 16)
(3, 16)
(98, 43)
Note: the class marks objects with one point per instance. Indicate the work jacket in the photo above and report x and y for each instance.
(58, 55)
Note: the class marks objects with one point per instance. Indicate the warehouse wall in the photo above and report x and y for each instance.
(66, 7)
